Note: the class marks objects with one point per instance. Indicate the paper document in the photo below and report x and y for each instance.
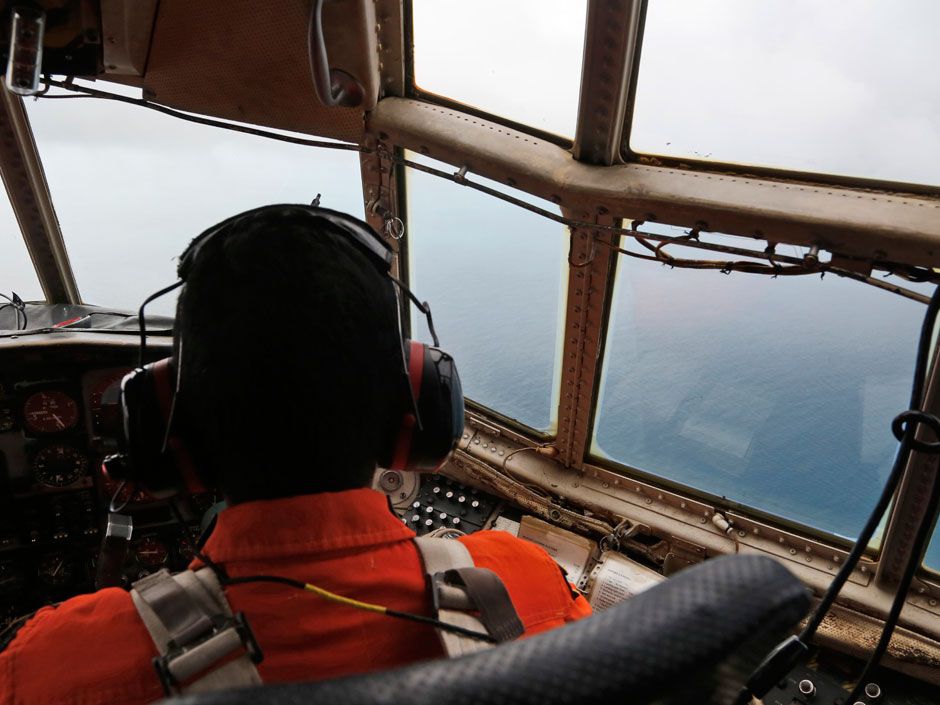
(616, 578)
(569, 550)
(507, 525)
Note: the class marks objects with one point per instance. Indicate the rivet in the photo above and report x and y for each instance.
(792, 551)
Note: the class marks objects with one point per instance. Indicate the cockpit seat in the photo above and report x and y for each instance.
(692, 639)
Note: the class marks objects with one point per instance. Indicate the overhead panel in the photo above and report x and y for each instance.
(247, 61)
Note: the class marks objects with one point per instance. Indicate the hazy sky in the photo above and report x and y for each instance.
(843, 85)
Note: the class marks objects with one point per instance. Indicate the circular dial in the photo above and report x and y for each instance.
(55, 570)
(50, 411)
(59, 465)
(105, 403)
(151, 552)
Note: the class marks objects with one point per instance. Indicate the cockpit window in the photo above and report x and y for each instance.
(932, 557)
(774, 393)
(131, 196)
(495, 277)
(834, 87)
(17, 274)
(518, 60)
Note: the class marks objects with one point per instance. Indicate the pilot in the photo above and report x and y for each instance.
(289, 361)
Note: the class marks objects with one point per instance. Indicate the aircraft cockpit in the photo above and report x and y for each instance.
(685, 254)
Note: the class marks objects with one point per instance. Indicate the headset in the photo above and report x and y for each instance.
(156, 454)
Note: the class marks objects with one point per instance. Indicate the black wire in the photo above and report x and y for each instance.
(921, 539)
(900, 461)
(141, 321)
(93, 93)
(187, 539)
(19, 307)
(762, 673)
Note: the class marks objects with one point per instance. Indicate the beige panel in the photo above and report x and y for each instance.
(851, 222)
(245, 60)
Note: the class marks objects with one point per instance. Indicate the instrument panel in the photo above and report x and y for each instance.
(59, 418)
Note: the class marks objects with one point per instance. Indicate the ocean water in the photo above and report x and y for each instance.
(776, 394)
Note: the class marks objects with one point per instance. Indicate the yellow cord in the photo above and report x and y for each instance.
(349, 602)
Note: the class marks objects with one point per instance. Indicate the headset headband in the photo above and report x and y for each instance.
(360, 233)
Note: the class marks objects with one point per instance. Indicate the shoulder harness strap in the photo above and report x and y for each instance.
(195, 632)
(466, 596)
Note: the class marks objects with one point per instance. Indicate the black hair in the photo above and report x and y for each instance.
(291, 379)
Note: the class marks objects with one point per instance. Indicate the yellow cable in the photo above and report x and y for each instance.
(349, 602)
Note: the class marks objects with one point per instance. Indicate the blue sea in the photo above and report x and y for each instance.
(776, 394)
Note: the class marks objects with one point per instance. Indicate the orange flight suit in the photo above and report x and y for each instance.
(94, 649)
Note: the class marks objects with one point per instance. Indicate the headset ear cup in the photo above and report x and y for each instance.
(439, 396)
(155, 461)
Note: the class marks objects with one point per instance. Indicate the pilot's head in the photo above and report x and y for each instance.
(290, 359)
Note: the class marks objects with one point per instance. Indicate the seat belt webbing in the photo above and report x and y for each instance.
(466, 596)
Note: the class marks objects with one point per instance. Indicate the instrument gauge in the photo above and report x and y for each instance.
(50, 411)
(105, 404)
(55, 570)
(151, 552)
(59, 465)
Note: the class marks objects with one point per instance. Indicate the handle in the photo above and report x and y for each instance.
(335, 88)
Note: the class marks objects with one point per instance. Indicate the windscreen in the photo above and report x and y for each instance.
(774, 393)
(518, 60)
(843, 87)
(17, 275)
(132, 187)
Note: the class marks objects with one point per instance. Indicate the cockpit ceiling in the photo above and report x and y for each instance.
(247, 61)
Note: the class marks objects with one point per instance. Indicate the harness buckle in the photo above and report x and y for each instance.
(183, 661)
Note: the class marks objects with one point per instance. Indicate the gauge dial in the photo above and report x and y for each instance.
(55, 570)
(151, 552)
(59, 465)
(50, 411)
(105, 403)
